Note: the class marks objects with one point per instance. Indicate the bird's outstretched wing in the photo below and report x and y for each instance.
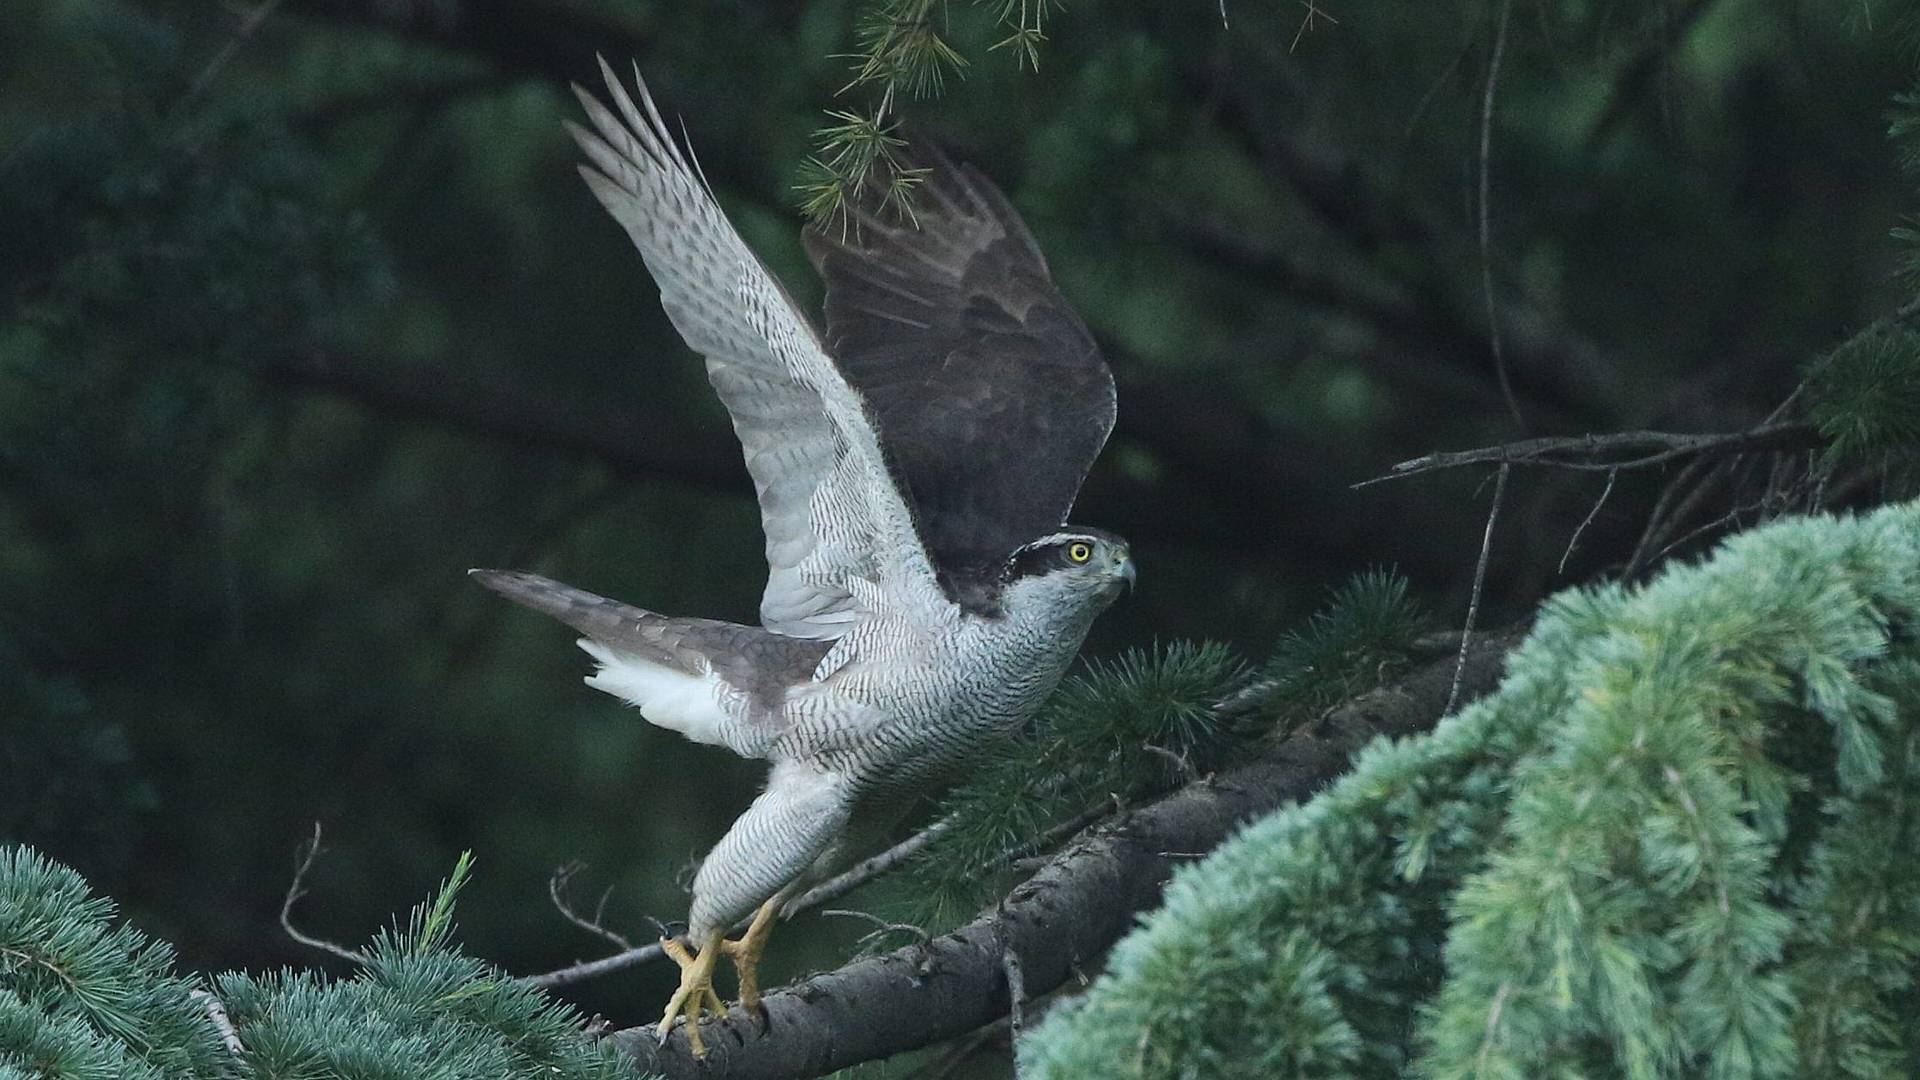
(840, 532)
(990, 395)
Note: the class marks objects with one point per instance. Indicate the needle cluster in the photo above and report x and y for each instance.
(1134, 727)
(905, 49)
(85, 996)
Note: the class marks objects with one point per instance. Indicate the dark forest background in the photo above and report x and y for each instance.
(303, 312)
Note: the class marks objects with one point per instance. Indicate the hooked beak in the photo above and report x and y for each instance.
(1127, 573)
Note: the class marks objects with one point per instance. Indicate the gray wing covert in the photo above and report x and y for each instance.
(989, 392)
(839, 531)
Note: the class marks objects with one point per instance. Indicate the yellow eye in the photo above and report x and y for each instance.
(1079, 552)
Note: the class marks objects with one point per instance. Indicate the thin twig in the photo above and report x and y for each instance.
(881, 926)
(1181, 766)
(1306, 22)
(21, 956)
(1644, 67)
(1028, 856)
(1663, 507)
(1704, 477)
(1248, 699)
(1574, 540)
(557, 891)
(216, 1011)
(309, 853)
(1680, 499)
(1479, 584)
(841, 884)
(1016, 991)
(1486, 191)
(827, 891)
(1493, 1025)
(1433, 89)
(1607, 453)
(831, 889)
(248, 26)
(1731, 517)
(963, 1051)
(606, 965)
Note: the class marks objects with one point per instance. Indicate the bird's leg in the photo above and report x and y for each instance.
(696, 988)
(745, 953)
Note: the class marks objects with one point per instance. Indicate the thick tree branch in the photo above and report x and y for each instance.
(1062, 919)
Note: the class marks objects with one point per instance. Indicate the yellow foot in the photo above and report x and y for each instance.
(696, 989)
(745, 954)
(696, 995)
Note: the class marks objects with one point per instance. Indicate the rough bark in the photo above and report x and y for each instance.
(1058, 923)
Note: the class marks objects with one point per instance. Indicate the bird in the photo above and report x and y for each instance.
(915, 462)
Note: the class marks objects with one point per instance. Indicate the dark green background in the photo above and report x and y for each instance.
(283, 355)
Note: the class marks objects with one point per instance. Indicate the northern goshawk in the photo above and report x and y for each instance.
(915, 466)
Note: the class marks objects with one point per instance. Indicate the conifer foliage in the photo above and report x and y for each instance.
(82, 997)
(1679, 840)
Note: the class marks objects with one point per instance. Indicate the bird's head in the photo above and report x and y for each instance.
(1076, 572)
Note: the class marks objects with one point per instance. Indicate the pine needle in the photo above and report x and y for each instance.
(903, 52)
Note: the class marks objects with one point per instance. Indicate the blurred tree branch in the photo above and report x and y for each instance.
(1429, 320)
(623, 434)
(1219, 457)
(554, 41)
(1559, 371)
(1441, 310)
(1424, 333)
(1067, 915)
(1647, 65)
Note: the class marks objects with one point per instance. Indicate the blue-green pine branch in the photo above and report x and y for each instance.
(1676, 832)
(84, 997)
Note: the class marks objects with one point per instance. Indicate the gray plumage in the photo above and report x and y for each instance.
(923, 594)
(751, 659)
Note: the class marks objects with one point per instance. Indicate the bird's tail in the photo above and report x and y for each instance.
(609, 622)
(640, 659)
